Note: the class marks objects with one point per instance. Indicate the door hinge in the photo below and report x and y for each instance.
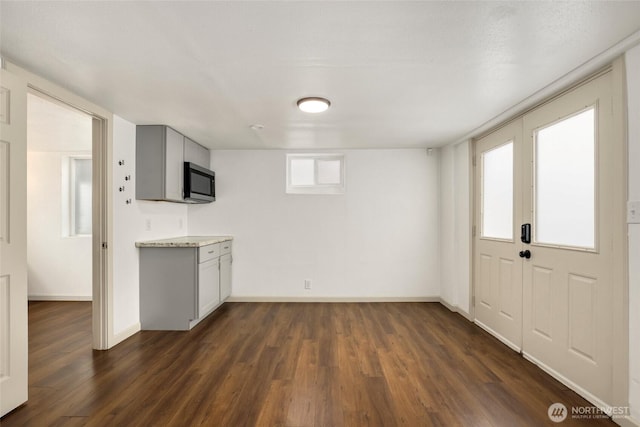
(104, 245)
(474, 160)
(473, 231)
(473, 301)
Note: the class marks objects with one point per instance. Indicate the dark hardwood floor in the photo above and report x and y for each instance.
(285, 364)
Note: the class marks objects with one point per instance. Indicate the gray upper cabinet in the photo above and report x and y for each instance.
(196, 153)
(159, 163)
(160, 156)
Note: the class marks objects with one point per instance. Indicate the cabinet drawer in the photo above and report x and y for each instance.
(225, 247)
(205, 253)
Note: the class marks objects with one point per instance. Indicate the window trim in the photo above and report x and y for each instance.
(316, 188)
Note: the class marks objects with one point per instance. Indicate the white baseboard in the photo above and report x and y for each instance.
(456, 309)
(626, 421)
(333, 299)
(505, 341)
(591, 398)
(123, 335)
(60, 298)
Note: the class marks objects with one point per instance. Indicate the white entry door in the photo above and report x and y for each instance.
(498, 270)
(568, 281)
(545, 213)
(13, 237)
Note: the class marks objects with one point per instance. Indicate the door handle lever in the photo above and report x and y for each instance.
(525, 254)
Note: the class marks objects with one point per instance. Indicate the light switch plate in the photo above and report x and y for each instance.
(633, 212)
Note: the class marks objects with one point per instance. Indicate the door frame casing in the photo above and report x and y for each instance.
(620, 364)
(620, 237)
(102, 283)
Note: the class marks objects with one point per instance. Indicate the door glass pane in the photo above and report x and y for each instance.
(497, 192)
(565, 182)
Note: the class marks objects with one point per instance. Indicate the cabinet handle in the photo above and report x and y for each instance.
(210, 252)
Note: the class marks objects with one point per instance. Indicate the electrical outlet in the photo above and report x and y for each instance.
(307, 283)
(147, 224)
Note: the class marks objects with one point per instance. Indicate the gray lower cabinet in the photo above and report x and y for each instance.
(208, 279)
(225, 270)
(179, 286)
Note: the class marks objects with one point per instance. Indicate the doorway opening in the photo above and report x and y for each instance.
(66, 211)
(59, 208)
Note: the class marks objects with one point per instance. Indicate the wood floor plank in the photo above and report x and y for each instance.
(285, 364)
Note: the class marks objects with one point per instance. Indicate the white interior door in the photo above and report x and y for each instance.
(568, 281)
(498, 270)
(13, 237)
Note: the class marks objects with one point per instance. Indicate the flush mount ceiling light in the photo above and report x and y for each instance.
(313, 104)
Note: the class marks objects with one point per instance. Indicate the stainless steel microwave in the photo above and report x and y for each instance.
(199, 184)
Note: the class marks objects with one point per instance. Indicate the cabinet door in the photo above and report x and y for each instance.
(174, 165)
(208, 286)
(225, 277)
(196, 153)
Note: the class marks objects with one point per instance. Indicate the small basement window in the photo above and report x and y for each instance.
(315, 174)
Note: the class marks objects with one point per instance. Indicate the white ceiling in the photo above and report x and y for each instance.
(398, 74)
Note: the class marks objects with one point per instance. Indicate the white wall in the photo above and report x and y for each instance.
(59, 266)
(378, 240)
(455, 238)
(632, 59)
(130, 225)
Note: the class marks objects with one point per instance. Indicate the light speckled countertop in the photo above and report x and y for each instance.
(183, 242)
